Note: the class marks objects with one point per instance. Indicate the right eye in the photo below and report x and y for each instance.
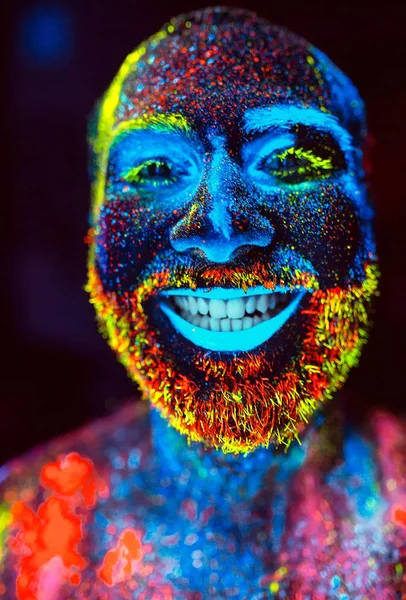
(153, 173)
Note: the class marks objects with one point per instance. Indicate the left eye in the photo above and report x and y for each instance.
(153, 172)
(294, 165)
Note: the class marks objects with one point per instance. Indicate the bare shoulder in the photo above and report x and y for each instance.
(94, 442)
(388, 432)
(47, 494)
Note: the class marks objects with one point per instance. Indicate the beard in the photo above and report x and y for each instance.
(237, 401)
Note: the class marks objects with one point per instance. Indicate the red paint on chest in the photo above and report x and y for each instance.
(71, 474)
(119, 563)
(56, 530)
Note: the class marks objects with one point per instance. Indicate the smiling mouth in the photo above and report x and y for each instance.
(230, 319)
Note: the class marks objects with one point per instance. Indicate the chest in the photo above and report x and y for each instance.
(177, 550)
(197, 553)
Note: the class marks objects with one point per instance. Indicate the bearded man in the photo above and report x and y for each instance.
(232, 267)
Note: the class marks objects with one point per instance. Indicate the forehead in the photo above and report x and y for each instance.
(213, 74)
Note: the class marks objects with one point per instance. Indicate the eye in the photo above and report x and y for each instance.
(153, 165)
(295, 157)
(153, 173)
(297, 164)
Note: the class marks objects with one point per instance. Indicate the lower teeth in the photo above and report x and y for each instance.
(207, 322)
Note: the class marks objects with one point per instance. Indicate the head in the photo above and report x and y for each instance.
(232, 260)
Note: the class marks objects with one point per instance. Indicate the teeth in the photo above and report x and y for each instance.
(202, 306)
(235, 308)
(193, 305)
(236, 314)
(214, 324)
(250, 305)
(236, 324)
(179, 300)
(247, 322)
(262, 303)
(204, 322)
(218, 309)
(225, 325)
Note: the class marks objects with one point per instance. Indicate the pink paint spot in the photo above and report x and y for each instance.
(189, 509)
(51, 578)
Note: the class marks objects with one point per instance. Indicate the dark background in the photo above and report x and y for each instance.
(60, 57)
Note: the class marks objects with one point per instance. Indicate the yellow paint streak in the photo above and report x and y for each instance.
(107, 116)
(5, 520)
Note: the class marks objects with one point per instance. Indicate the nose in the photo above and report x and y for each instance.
(223, 217)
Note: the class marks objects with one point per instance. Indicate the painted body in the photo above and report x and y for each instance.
(148, 531)
(228, 160)
(232, 266)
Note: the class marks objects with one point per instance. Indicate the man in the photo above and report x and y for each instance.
(232, 267)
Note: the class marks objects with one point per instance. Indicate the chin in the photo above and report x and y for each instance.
(237, 370)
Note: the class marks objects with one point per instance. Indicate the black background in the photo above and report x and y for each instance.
(60, 57)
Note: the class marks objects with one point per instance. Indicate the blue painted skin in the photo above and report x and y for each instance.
(216, 555)
(210, 175)
(153, 473)
(184, 159)
(211, 196)
(260, 520)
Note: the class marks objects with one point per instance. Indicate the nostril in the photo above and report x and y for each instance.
(219, 250)
(218, 244)
(214, 250)
(246, 251)
(180, 243)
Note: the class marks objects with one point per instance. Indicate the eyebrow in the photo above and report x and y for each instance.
(158, 122)
(283, 117)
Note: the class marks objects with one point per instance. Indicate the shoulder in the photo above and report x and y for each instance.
(48, 494)
(75, 455)
(388, 434)
(383, 470)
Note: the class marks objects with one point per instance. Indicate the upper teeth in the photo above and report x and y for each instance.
(229, 315)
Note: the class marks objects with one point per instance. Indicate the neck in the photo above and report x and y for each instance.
(237, 486)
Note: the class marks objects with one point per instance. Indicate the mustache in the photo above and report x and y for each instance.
(285, 269)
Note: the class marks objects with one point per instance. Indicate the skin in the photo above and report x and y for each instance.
(209, 494)
(232, 163)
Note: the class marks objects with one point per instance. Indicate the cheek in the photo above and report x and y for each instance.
(130, 234)
(324, 228)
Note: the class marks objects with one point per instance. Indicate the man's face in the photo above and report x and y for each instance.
(232, 260)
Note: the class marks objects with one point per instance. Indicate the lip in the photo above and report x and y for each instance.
(219, 293)
(230, 341)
